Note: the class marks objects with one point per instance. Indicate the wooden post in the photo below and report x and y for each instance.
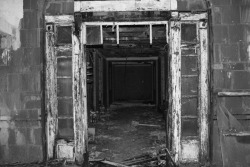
(51, 95)
(95, 84)
(117, 35)
(204, 94)
(80, 100)
(150, 34)
(175, 88)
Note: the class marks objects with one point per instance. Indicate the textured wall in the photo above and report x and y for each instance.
(21, 85)
(21, 80)
(20, 92)
(230, 66)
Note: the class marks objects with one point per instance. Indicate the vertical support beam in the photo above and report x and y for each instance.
(175, 88)
(117, 35)
(84, 33)
(101, 33)
(204, 94)
(80, 99)
(101, 79)
(163, 79)
(96, 81)
(167, 38)
(84, 101)
(157, 83)
(150, 34)
(107, 82)
(51, 95)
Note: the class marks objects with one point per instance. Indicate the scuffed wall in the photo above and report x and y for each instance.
(231, 72)
(21, 77)
(20, 80)
(191, 5)
(60, 7)
(21, 70)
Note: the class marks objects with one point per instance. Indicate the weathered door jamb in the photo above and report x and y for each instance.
(79, 90)
(174, 143)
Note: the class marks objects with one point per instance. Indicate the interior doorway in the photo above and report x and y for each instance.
(131, 86)
(89, 72)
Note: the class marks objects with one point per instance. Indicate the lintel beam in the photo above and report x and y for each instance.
(127, 5)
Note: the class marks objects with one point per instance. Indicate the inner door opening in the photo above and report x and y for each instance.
(173, 54)
(130, 85)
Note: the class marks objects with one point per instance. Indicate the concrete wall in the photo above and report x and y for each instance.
(230, 66)
(21, 77)
(20, 90)
(21, 73)
(230, 57)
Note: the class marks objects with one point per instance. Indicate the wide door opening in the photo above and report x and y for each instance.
(110, 91)
(127, 93)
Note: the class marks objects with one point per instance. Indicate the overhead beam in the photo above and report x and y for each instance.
(61, 19)
(130, 58)
(127, 5)
(111, 23)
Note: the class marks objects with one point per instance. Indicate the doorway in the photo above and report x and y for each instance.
(177, 53)
(129, 77)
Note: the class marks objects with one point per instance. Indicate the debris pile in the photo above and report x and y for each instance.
(160, 159)
(50, 163)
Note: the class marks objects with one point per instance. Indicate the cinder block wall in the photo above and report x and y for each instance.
(22, 86)
(21, 93)
(231, 62)
(230, 55)
(21, 81)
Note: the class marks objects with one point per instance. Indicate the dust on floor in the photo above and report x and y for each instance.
(119, 135)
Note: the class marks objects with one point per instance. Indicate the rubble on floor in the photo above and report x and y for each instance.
(160, 159)
(50, 163)
(125, 132)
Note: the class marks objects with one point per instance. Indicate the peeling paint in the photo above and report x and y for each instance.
(6, 56)
(147, 5)
(80, 99)
(204, 94)
(51, 95)
(229, 74)
(190, 151)
(187, 150)
(175, 88)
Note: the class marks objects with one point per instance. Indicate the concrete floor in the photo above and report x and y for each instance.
(118, 137)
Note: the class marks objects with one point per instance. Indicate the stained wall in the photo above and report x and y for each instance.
(22, 71)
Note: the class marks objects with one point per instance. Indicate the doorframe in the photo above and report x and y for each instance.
(80, 87)
(174, 109)
(79, 90)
